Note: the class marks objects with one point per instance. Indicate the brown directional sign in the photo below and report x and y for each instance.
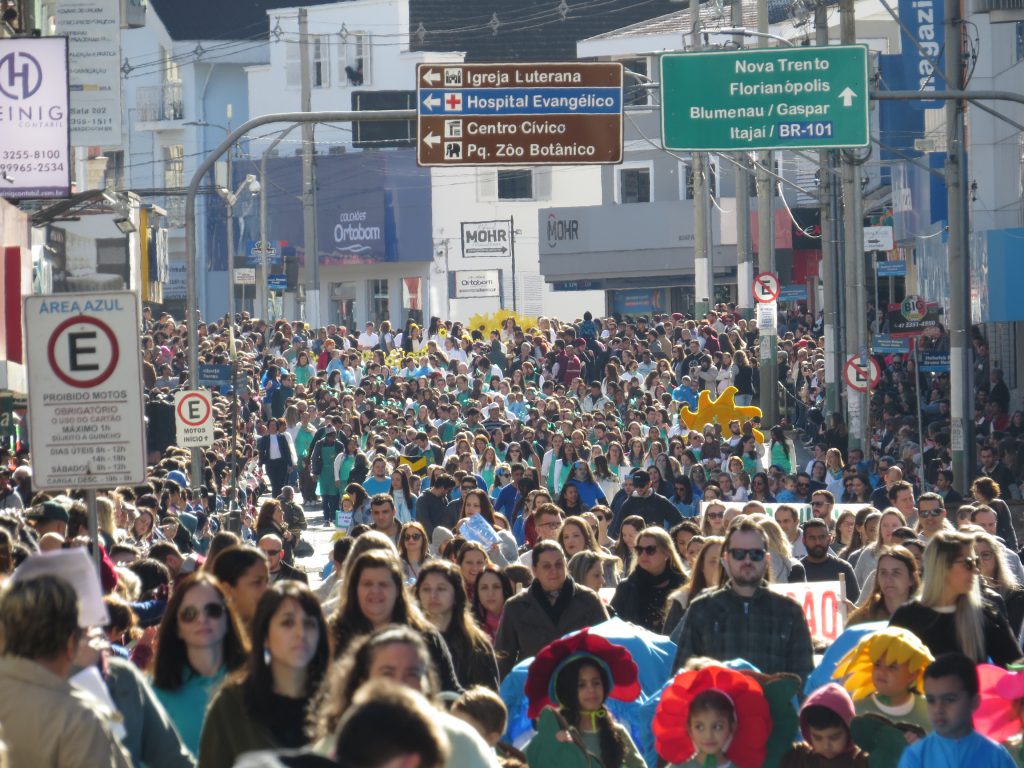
(519, 114)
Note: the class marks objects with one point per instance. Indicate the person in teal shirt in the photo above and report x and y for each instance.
(200, 640)
(321, 464)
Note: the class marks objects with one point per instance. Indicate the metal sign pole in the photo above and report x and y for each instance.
(94, 527)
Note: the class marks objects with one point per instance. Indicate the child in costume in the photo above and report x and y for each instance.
(1001, 713)
(567, 686)
(713, 717)
(825, 725)
(883, 674)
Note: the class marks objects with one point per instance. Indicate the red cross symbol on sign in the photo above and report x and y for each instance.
(453, 102)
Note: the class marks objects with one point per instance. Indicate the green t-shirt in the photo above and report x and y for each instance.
(914, 711)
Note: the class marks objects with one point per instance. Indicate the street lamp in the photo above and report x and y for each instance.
(741, 32)
(230, 198)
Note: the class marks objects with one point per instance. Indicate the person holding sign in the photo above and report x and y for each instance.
(744, 619)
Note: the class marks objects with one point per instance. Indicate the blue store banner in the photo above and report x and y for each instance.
(892, 268)
(881, 344)
(638, 301)
(797, 292)
(935, 362)
(923, 46)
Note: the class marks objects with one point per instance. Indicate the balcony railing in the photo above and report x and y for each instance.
(155, 103)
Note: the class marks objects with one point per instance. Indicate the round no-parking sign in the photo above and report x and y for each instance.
(859, 377)
(193, 418)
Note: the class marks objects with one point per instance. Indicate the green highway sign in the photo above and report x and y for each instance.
(765, 98)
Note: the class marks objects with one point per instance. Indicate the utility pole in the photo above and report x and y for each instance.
(769, 354)
(703, 270)
(858, 404)
(833, 369)
(744, 251)
(309, 183)
(961, 439)
(263, 300)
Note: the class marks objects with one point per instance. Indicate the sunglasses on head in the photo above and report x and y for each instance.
(755, 555)
(190, 613)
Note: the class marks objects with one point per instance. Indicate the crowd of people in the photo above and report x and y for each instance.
(497, 495)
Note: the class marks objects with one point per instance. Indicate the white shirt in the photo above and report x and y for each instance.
(368, 340)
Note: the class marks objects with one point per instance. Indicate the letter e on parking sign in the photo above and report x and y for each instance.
(193, 418)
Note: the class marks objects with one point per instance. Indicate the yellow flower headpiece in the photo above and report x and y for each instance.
(892, 645)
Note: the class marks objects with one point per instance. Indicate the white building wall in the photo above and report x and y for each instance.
(382, 25)
(470, 194)
(996, 162)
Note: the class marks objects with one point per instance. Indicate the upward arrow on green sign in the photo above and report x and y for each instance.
(766, 98)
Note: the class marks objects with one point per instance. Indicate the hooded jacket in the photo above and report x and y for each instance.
(834, 697)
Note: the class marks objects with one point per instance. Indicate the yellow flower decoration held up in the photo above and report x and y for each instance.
(894, 645)
(494, 321)
(720, 411)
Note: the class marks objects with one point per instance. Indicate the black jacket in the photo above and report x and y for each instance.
(291, 573)
(654, 509)
(643, 599)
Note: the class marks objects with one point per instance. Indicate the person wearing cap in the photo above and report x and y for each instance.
(644, 501)
(49, 517)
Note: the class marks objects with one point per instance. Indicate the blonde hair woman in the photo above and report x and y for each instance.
(950, 615)
(785, 568)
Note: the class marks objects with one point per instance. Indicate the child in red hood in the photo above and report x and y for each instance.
(825, 725)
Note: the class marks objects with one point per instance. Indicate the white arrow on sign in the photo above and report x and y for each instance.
(430, 77)
(847, 95)
(431, 101)
(431, 140)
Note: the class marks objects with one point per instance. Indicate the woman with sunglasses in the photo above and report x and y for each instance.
(998, 580)
(199, 641)
(413, 549)
(604, 516)
(265, 707)
(950, 616)
(713, 520)
(760, 489)
(642, 597)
